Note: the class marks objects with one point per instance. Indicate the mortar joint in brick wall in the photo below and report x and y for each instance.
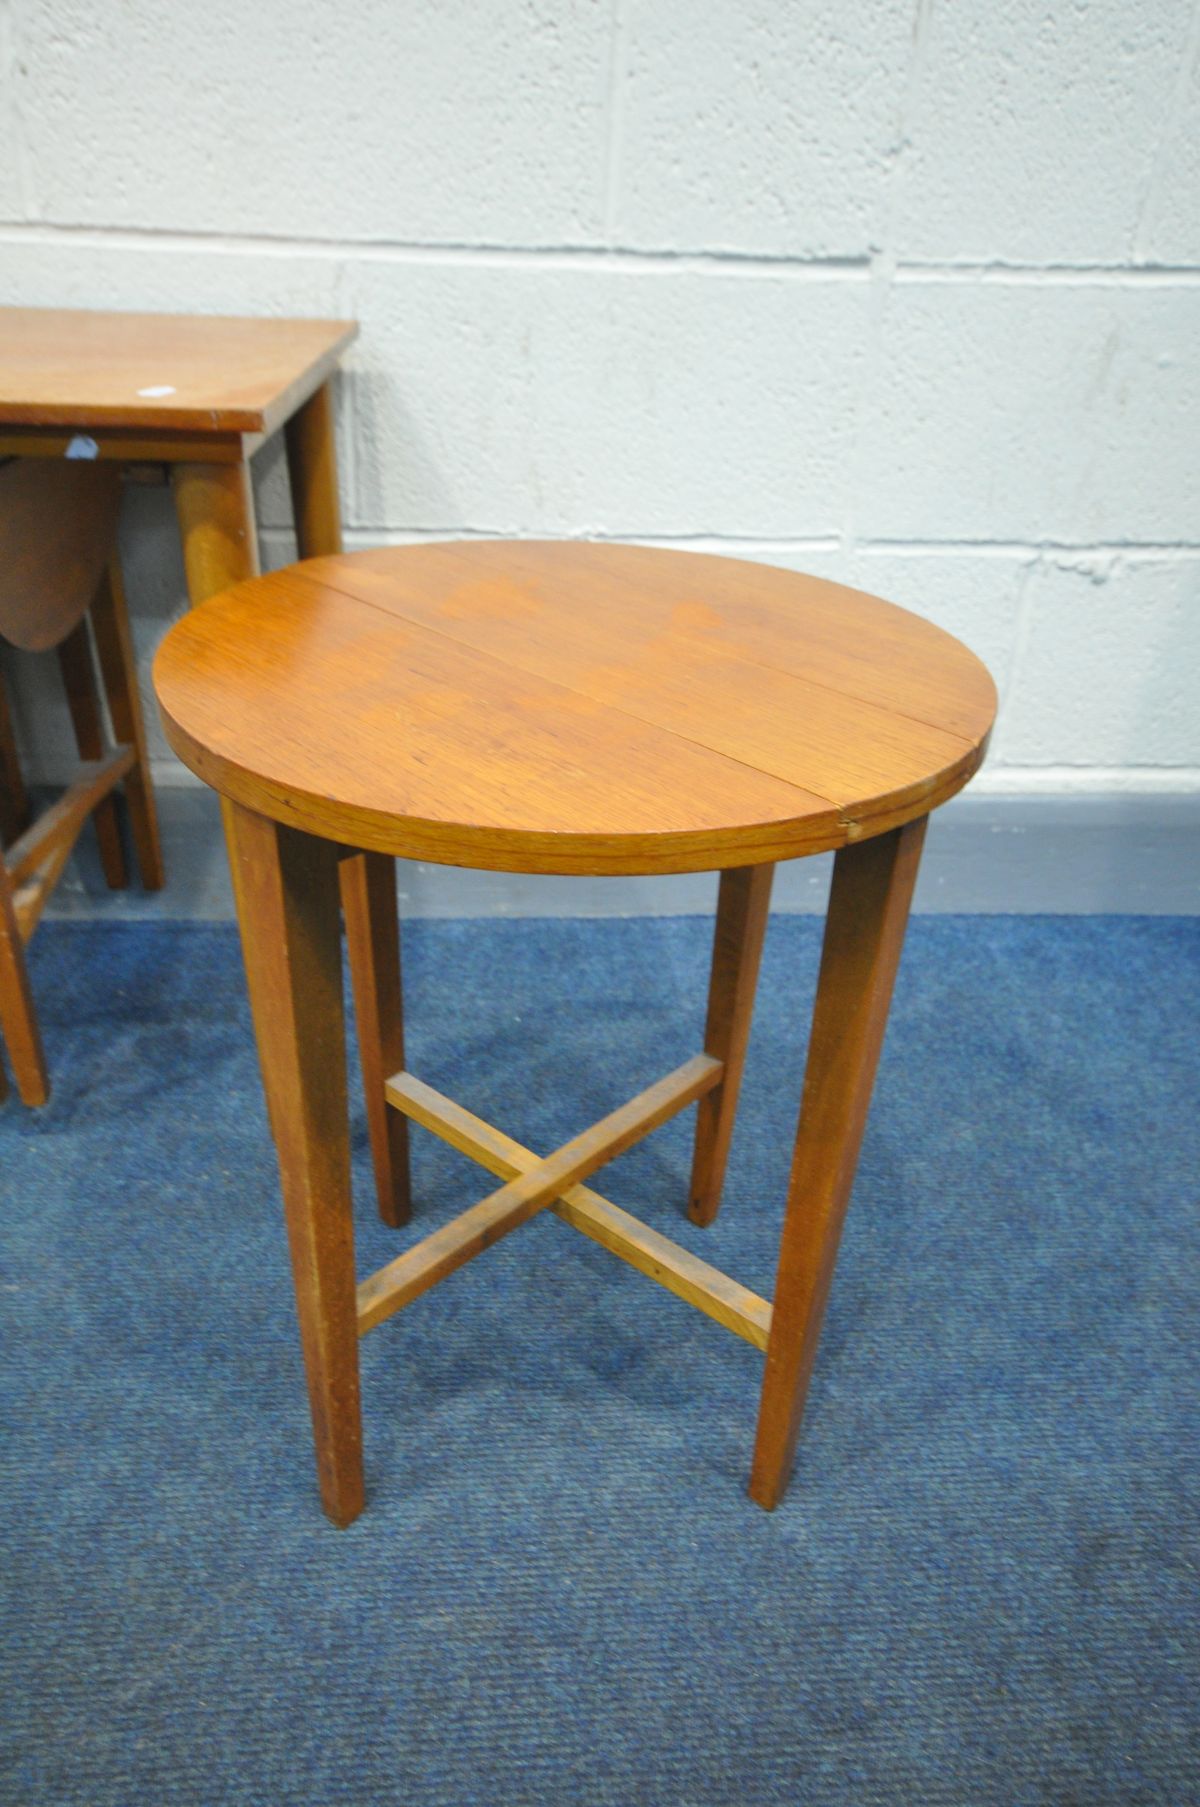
(1125, 551)
(616, 258)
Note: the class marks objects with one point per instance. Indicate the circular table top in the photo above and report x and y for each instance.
(571, 707)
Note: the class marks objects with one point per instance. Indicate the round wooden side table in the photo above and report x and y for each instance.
(561, 708)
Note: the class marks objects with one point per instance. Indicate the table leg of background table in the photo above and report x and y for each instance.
(286, 888)
(83, 701)
(864, 931)
(118, 668)
(313, 474)
(14, 802)
(18, 1021)
(214, 504)
(372, 921)
(743, 903)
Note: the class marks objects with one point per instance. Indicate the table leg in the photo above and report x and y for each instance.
(369, 879)
(743, 903)
(864, 931)
(118, 668)
(18, 1020)
(373, 937)
(83, 701)
(312, 472)
(286, 887)
(14, 803)
(214, 504)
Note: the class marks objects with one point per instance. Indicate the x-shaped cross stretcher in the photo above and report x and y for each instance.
(532, 1184)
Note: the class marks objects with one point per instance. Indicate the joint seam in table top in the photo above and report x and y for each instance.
(743, 658)
(845, 812)
(558, 684)
(730, 653)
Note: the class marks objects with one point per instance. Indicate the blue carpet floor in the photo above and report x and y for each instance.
(980, 1588)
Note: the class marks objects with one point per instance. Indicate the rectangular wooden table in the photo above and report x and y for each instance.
(199, 394)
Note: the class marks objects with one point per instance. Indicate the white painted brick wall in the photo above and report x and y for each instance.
(1034, 411)
(905, 292)
(759, 126)
(1034, 127)
(627, 401)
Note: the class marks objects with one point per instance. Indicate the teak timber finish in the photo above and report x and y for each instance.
(312, 475)
(129, 446)
(81, 393)
(83, 704)
(677, 1269)
(118, 668)
(58, 529)
(368, 880)
(372, 919)
(60, 587)
(559, 708)
(209, 374)
(743, 903)
(414, 1272)
(18, 1018)
(286, 889)
(571, 708)
(35, 863)
(14, 799)
(59, 824)
(214, 505)
(864, 932)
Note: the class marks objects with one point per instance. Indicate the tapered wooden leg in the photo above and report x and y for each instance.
(18, 1022)
(83, 700)
(373, 938)
(369, 879)
(214, 505)
(864, 931)
(14, 802)
(286, 888)
(312, 472)
(118, 668)
(743, 904)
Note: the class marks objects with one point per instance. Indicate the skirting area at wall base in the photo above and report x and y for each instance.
(1072, 855)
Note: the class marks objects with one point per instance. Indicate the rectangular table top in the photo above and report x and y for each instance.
(67, 367)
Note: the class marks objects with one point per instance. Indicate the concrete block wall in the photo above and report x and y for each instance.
(905, 292)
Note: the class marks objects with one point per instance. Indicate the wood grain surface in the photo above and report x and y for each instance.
(566, 707)
(58, 530)
(864, 932)
(78, 368)
(743, 905)
(676, 1268)
(286, 889)
(530, 1190)
(60, 588)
